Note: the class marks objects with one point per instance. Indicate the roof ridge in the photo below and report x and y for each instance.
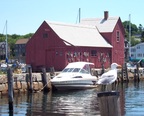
(109, 18)
(22, 41)
(72, 25)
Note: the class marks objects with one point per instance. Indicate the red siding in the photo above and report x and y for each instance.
(118, 47)
(46, 49)
(41, 51)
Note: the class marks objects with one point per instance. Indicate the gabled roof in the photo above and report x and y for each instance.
(102, 25)
(79, 35)
(21, 41)
(140, 44)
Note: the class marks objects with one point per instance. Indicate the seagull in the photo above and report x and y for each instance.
(110, 76)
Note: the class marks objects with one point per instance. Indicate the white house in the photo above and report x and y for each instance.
(137, 52)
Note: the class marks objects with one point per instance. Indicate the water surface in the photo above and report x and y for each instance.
(71, 103)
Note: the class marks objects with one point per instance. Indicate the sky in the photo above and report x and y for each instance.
(25, 16)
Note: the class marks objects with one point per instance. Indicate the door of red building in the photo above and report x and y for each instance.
(50, 58)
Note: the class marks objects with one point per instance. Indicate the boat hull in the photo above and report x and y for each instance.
(74, 86)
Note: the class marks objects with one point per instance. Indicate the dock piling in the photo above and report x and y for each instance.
(52, 72)
(124, 73)
(109, 103)
(136, 73)
(45, 80)
(10, 88)
(30, 79)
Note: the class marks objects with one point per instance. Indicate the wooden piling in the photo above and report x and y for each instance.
(103, 70)
(109, 103)
(95, 73)
(136, 73)
(30, 102)
(124, 73)
(10, 88)
(52, 72)
(137, 66)
(27, 81)
(44, 80)
(30, 79)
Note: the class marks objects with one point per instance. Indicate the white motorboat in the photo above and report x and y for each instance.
(76, 75)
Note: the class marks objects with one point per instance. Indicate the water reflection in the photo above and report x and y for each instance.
(82, 102)
(76, 102)
(63, 103)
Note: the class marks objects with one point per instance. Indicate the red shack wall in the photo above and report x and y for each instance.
(40, 50)
(46, 49)
(118, 47)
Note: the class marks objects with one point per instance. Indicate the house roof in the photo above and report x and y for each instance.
(21, 41)
(79, 35)
(140, 44)
(103, 25)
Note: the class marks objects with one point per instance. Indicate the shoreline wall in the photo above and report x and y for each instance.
(21, 83)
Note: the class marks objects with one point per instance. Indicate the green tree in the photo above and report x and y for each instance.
(134, 29)
(2, 37)
(140, 28)
(142, 36)
(28, 35)
(134, 42)
(12, 40)
(14, 36)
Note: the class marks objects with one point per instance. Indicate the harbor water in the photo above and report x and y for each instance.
(74, 103)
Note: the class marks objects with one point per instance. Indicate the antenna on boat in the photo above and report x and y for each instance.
(130, 35)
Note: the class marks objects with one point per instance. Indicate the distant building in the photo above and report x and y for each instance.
(137, 52)
(3, 50)
(98, 40)
(20, 49)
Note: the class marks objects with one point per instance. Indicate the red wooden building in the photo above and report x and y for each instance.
(95, 40)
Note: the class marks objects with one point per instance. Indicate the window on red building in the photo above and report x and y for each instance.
(117, 35)
(93, 53)
(45, 35)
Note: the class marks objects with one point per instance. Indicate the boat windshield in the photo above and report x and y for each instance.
(71, 70)
(76, 70)
(84, 71)
(65, 70)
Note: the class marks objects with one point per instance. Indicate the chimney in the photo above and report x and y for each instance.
(105, 15)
